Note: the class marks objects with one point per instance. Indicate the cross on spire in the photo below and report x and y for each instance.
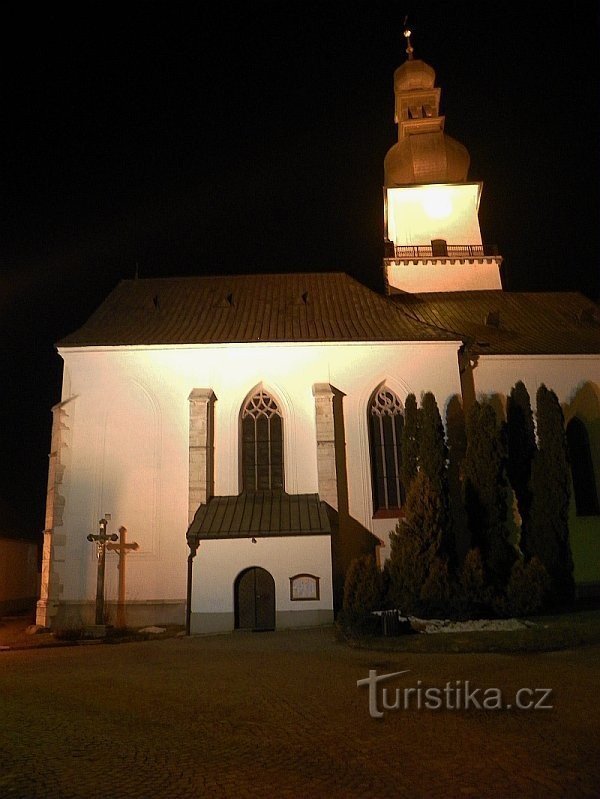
(407, 34)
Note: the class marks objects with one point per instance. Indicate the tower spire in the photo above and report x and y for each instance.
(430, 206)
(407, 34)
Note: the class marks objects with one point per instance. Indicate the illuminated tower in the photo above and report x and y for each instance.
(432, 235)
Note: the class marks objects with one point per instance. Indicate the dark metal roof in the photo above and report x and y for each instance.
(261, 514)
(507, 323)
(247, 308)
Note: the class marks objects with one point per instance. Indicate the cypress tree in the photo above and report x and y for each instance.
(362, 593)
(416, 546)
(433, 462)
(433, 452)
(405, 569)
(457, 445)
(424, 516)
(487, 494)
(548, 537)
(472, 594)
(521, 451)
(410, 442)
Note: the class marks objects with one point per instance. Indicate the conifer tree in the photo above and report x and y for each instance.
(362, 593)
(548, 537)
(433, 462)
(457, 445)
(487, 493)
(410, 442)
(521, 451)
(417, 568)
(472, 594)
(433, 452)
(405, 569)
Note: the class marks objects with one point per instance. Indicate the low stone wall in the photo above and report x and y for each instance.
(137, 614)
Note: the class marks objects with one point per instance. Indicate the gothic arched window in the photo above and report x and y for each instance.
(386, 420)
(262, 444)
(582, 469)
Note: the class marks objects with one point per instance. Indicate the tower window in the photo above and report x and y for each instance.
(386, 420)
(262, 444)
(582, 469)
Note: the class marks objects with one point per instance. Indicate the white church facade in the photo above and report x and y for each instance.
(242, 430)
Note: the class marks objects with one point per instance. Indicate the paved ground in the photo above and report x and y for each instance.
(279, 715)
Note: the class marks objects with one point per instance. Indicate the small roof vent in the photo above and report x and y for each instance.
(589, 316)
(225, 302)
(492, 318)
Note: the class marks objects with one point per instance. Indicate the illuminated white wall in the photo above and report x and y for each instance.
(129, 440)
(565, 375)
(576, 381)
(443, 274)
(418, 214)
(218, 563)
(415, 216)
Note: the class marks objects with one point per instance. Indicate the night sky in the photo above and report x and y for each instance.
(232, 138)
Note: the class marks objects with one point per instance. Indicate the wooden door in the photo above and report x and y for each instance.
(255, 600)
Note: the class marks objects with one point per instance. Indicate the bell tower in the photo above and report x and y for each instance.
(432, 234)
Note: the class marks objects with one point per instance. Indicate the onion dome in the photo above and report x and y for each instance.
(424, 153)
(426, 158)
(415, 74)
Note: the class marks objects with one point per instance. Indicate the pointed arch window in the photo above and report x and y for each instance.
(386, 420)
(262, 444)
(582, 469)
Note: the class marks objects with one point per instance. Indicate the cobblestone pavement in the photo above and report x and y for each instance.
(280, 715)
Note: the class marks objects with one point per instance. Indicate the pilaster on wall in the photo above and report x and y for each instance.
(326, 458)
(201, 478)
(54, 542)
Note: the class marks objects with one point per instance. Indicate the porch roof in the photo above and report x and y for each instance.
(260, 514)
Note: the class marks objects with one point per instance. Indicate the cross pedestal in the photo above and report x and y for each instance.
(122, 549)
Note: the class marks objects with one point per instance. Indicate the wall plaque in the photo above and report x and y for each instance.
(304, 586)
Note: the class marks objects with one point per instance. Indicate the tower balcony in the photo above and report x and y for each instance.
(440, 267)
(438, 250)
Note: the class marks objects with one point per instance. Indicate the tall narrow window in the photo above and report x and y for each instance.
(385, 427)
(262, 444)
(582, 469)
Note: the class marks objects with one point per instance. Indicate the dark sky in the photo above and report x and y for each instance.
(229, 138)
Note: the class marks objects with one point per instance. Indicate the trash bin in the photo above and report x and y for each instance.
(393, 623)
(390, 622)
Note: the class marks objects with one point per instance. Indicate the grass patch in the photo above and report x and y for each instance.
(69, 634)
(564, 631)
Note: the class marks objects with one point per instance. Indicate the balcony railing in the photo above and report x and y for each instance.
(441, 250)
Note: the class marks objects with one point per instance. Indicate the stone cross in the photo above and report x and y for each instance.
(122, 548)
(101, 538)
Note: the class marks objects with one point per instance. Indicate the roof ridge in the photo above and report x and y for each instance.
(338, 307)
(237, 276)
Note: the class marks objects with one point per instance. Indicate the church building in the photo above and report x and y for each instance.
(242, 433)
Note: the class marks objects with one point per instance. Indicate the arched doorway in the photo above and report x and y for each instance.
(254, 598)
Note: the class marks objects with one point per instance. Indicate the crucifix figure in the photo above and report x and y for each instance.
(122, 548)
(101, 538)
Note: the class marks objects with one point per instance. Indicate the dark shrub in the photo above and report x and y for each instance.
(362, 595)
